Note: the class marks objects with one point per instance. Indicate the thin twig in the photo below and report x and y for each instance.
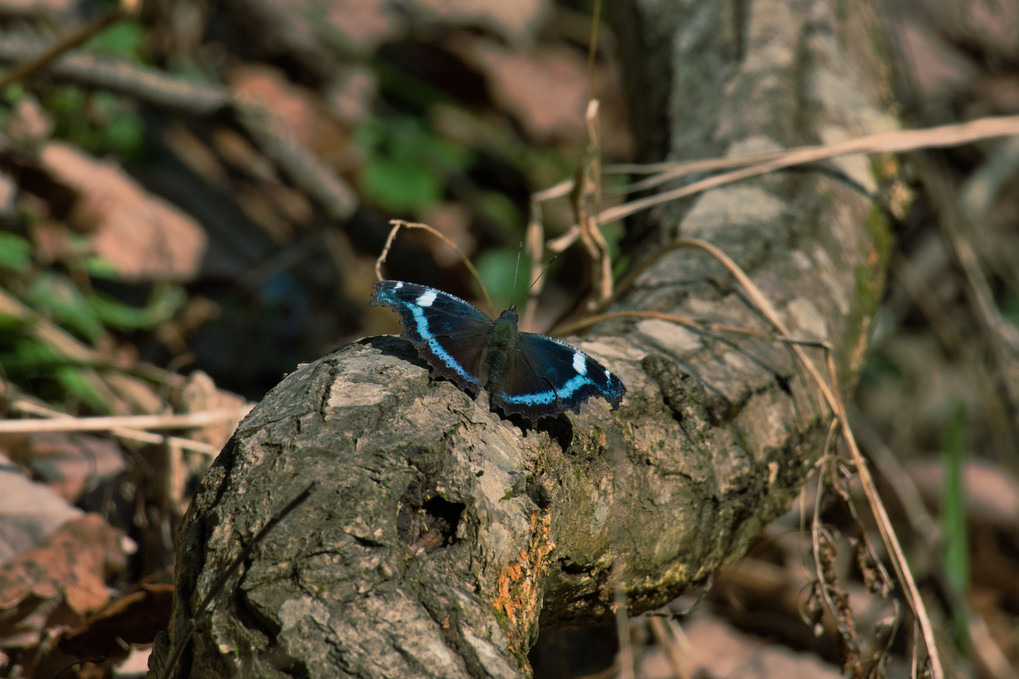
(68, 43)
(277, 141)
(156, 87)
(887, 142)
(398, 223)
(182, 421)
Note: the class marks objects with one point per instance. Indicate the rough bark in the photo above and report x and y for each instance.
(439, 534)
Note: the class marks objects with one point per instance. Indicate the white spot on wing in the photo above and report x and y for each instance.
(579, 363)
(426, 298)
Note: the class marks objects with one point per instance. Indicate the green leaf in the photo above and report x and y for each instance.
(125, 134)
(115, 124)
(15, 252)
(52, 375)
(162, 304)
(496, 269)
(13, 93)
(501, 210)
(77, 384)
(399, 186)
(953, 509)
(408, 164)
(9, 324)
(56, 296)
(65, 100)
(122, 39)
(97, 267)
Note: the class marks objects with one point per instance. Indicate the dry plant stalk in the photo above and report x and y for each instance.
(760, 164)
(398, 223)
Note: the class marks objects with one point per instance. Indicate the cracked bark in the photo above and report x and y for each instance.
(439, 534)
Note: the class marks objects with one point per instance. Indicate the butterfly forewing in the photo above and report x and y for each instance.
(448, 332)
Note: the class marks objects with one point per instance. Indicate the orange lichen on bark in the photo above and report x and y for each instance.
(517, 597)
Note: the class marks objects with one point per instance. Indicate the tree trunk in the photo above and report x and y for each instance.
(439, 535)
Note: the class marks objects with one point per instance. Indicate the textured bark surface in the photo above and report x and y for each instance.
(439, 534)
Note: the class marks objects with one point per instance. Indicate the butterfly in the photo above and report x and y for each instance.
(528, 375)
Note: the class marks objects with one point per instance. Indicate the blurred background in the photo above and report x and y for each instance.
(192, 198)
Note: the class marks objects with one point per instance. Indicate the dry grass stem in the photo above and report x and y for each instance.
(398, 223)
(135, 422)
(760, 164)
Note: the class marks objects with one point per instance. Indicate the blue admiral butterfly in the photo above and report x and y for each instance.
(529, 375)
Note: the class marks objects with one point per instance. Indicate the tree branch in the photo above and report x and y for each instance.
(441, 534)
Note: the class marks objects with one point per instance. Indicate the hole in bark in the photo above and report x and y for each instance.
(538, 493)
(428, 525)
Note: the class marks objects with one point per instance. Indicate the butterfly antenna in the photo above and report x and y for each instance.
(516, 269)
(534, 282)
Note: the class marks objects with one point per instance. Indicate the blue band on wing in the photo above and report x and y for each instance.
(541, 397)
(421, 325)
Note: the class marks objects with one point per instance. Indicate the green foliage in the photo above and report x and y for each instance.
(399, 186)
(123, 39)
(39, 368)
(89, 314)
(407, 164)
(54, 296)
(162, 304)
(496, 269)
(30, 358)
(15, 253)
(953, 510)
(98, 122)
(498, 208)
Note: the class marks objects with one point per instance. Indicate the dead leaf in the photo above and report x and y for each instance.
(59, 581)
(545, 89)
(71, 463)
(992, 494)
(366, 24)
(201, 393)
(133, 618)
(141, 235)
(298, 109)
(515, 21)
(30, 512)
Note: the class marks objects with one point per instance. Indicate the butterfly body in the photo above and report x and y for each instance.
(525, 374)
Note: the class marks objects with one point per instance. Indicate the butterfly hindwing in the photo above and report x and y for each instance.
(547, 376)
(448, 332)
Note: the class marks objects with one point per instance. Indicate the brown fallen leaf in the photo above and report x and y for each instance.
(545, 89)
(517, 21)
(71, 463)
(300, 110)
(30, 512)
(133, 618)
(141, 235)
(58, 582)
